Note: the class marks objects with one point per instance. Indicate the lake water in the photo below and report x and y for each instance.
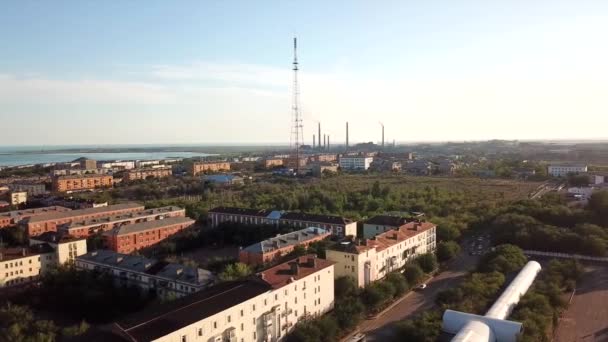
(14, 158)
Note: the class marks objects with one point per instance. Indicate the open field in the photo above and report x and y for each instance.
(586, 319)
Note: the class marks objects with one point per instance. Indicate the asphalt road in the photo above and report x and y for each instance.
(381, 328)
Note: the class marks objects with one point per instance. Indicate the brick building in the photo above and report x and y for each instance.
(46, 222)
(242, 215)
(270, 163)
(202, 167)
(131, 237)
(15, 217)
(135, 174)
(81, 182)
(86, 227)
(272, 249)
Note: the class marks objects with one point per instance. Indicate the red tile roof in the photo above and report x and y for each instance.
(298, 268)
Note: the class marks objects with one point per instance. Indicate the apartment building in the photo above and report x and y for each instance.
(320, 158)
(382, 223)
(23, 265)
(87, 163)
(270, 163)
(355, 162)
(49, 221)
(337, 225)
(272, 249)
(80, 172)
(18, 197)
(86, 227)
(15, 217)
(119, 165)
(565, 170)
(32, 189)
(81, 182)
(166, 279)
(263, 309)
(136, 174)
(389, 251)
(131, 237)
(197, 168)
(242, 215)
(66, 247)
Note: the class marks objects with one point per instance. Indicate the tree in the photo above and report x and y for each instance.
(598, 204)
(505, 259)
(398, 281)
(235, 271)
(413, 273)
(374, 296)
(427, 262)
(345, 287)
(446, 250)
(349, 312)
(425, 328)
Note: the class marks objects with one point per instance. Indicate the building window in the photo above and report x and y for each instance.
(184, 338)
(229, 319)
(200, 331)
(215, 325)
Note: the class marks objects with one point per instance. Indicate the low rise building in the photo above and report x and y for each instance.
(23, 265)
(197, 168)
(274, 248)
(224, 179)
(419, 167)
(319, 169)
(166, 279)
(87, 163)
(327, 158)
(565, 170)
(270, 163)
(32, 189)
(355, 162)
(86, 227)
(18, 197)
(119, 165)
(15, 217)
(295, 163)
(262, 309)
(49, 221)
(131, 237)
(389, 251)
(82, 182)
(242, 215)
(382, 223)
(385, 165)
(146, 163)
(66, 248)
(80, 172)
(337, 225)
(137, 174)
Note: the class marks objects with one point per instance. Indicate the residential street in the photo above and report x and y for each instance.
(380, 329)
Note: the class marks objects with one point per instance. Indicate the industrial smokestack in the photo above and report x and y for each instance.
(346, 134)
(314, 140)
(319, 146)
(324, 141)
(381, 124)
(328, 142)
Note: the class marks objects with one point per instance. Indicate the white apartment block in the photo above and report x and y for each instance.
(564, 170)
(166, 279)
(386, 252)
(355, 163)
(259, 310)
(25, 264)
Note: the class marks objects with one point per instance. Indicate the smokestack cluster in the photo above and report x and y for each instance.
(319, 145)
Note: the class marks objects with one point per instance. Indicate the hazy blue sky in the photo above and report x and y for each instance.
(109, 72)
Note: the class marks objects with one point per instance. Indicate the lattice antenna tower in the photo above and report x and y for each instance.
(297, 129)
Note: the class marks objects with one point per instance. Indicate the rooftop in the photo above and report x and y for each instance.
(295, 269)
(7, 254)
(83, 212)
(387, 220)
(163, 319)
(91, 175)
(387, 239)
(329, 219)
(241, 211)
(143, 226)
(289, 239)
(25, 213)
(56, 237)
(121, 217)
(177, 272)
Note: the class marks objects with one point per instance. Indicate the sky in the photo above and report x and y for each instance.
(180, 72)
